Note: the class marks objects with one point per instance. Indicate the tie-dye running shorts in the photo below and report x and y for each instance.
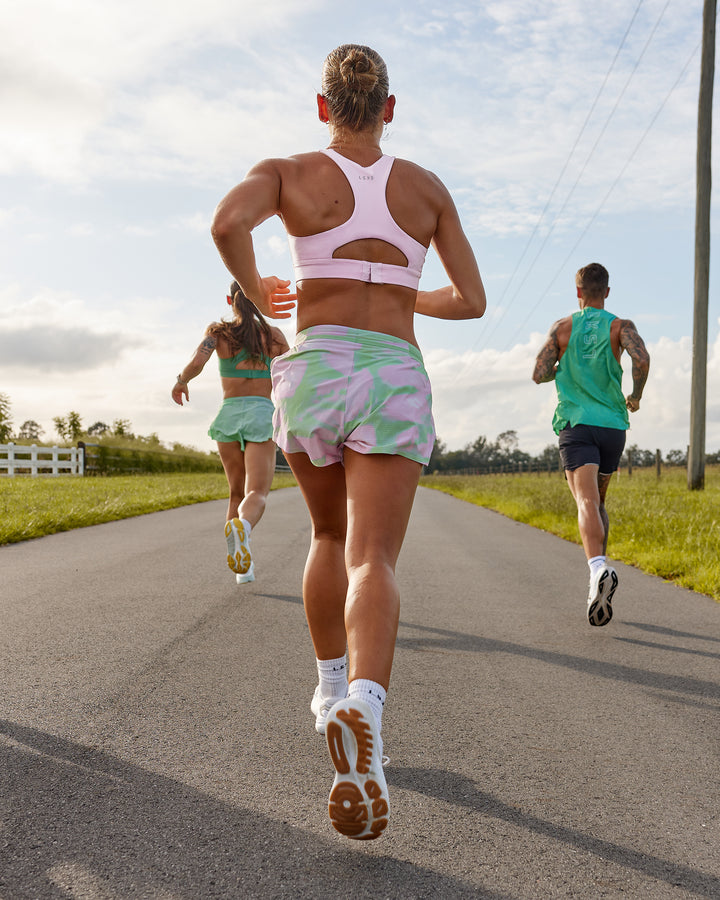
(344, 387)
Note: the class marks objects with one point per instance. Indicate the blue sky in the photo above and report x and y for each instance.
(566, 135)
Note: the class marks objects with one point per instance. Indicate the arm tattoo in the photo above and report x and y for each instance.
(208, 345)
(631, 341)
(547, 358)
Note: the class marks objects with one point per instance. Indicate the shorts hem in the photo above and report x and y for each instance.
(322, 461)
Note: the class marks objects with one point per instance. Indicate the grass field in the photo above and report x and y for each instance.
(33, 507)
(656, 524)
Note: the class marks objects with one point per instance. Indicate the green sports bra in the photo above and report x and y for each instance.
(228, 367)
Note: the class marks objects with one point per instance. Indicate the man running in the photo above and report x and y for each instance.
(582, 355)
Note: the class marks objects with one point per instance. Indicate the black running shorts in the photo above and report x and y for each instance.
(584, 445)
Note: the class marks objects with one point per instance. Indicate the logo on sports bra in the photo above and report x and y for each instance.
(366, 177)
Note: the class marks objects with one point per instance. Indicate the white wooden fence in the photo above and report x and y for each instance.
(19, 459)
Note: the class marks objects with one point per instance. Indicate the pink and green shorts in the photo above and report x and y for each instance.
(344, 387)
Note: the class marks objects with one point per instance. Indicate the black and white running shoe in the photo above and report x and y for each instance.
(602, 588)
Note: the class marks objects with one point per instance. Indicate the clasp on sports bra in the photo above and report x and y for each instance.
(373, 273)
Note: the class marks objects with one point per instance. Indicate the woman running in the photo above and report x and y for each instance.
(353, 405)
(243, 427)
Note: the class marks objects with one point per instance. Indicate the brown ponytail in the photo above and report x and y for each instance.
(248, 329)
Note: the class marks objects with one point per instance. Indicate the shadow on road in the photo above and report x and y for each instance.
(462, 791)
(442, 639)
(80, 823)
(671, 632)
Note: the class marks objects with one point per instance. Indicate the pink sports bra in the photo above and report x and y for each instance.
(313, 254)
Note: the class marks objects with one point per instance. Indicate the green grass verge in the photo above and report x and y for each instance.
(655, 524)
(33, 507)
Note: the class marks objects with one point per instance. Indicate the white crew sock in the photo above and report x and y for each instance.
(332, 675)
(596, 562)
(372, 693)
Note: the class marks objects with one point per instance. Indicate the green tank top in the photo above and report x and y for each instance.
(588, 377)
(228, 367)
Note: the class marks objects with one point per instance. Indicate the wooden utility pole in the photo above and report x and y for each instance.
(696, 454)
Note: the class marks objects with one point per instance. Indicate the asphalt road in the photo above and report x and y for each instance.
(157, 740)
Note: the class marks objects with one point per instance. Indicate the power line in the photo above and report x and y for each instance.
(487, 335)
(560, 176)
(585, 230)
(592, 152)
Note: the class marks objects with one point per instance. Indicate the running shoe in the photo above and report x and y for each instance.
(248, 576)
(238, 547)
(359, 806)
(320, 707)
(602, 587)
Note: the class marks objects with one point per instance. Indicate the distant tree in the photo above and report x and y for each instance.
(121, 428)
(639, 458)
(69, 427)
(98, 428)
(549, 458)
(676, 458)
(459, 459)
(5, 419)
(61, 426)
(644, 458)
(480, 451)
(151, 439)
(507, 441)
(631, 454)
(74, 425)
(30, 431)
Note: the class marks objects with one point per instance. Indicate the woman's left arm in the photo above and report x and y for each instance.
(464, 297)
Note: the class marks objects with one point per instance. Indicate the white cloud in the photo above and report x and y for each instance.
(196, 223)
(81, 229)
(528, 82)
(128, 93)
(488, 392)
(99, 92)
(277, 246)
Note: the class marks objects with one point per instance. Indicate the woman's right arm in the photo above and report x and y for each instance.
(464, 297)
(250, 203)
(193, 368)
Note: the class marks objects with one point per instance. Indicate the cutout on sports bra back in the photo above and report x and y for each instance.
(372, 249)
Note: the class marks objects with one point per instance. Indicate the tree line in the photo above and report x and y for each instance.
(481, 455)
(70, 429)
(504, 455)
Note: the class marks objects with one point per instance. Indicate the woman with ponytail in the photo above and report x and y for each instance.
(243, 427)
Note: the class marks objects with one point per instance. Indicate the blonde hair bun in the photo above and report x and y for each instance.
(355, 86)
(358, 72)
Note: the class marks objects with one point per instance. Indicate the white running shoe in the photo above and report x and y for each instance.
(320, 707)
(602, 588)
(248, 576)
(238, 546)
(359, 805)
